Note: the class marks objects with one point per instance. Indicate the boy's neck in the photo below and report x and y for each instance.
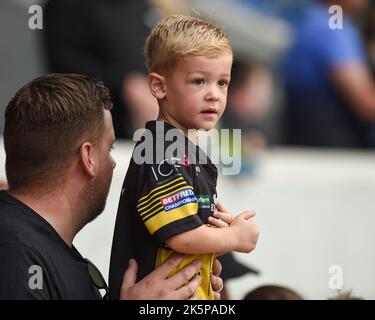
(191, 135)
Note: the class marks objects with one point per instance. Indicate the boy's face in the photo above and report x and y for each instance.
(196, 91)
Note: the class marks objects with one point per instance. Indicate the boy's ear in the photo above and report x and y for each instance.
(157, 85)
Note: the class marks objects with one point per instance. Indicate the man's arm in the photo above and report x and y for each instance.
(241, 235)
(19, 274)
(355, 84)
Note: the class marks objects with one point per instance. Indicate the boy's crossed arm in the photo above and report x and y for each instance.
(241, 235)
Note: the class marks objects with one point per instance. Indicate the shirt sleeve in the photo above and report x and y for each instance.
(342, 47)
(167, 204)
(21, 274)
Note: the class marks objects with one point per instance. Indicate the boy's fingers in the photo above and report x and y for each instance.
(226, 217)
(217, 222)
(220, 207)
(248, 214)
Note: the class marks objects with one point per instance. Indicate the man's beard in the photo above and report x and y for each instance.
(94, 198)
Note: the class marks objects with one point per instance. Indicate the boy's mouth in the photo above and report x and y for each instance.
(209, 111)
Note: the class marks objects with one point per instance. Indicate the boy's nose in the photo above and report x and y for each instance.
(213, 93)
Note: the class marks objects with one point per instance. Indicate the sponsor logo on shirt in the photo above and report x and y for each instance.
(203, 201)
(178, 199)
(165, 169)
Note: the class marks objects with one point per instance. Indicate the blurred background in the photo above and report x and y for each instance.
(302, 92)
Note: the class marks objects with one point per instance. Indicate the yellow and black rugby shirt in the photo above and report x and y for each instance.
(159, 201)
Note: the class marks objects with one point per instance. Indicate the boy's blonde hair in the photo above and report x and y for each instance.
(178, 36)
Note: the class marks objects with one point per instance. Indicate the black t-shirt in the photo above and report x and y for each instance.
(35, 262)
(173, 194)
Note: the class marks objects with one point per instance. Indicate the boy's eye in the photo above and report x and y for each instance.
(111, 148)
(198, 81)
(223, 83)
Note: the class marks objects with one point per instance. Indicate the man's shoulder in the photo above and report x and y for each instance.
(12, 221)
(18, 259)
(20, 227)
(16, 250)
(21, 270)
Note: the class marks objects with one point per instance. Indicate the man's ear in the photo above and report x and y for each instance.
(157, 85)
(87, 158)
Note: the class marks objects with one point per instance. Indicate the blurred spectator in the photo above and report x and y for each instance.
(329, 91)
(232, 269)
(249, 96)
(370, 45)
(167, 7)
(346, 295)
(249, 100)
(369, 34)
(272, 292)
(290, 9)
(104, 39)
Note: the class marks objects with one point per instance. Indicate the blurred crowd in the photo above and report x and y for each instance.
(280, 292)
(316, 90)
(297, 79)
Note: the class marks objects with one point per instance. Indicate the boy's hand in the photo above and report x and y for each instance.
(246, 231)
(222, 218)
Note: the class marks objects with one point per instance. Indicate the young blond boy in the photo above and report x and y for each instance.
(168, 205)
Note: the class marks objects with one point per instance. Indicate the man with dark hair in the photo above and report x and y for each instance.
(58, 136)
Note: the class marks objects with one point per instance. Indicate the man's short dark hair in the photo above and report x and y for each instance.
(45, 123)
